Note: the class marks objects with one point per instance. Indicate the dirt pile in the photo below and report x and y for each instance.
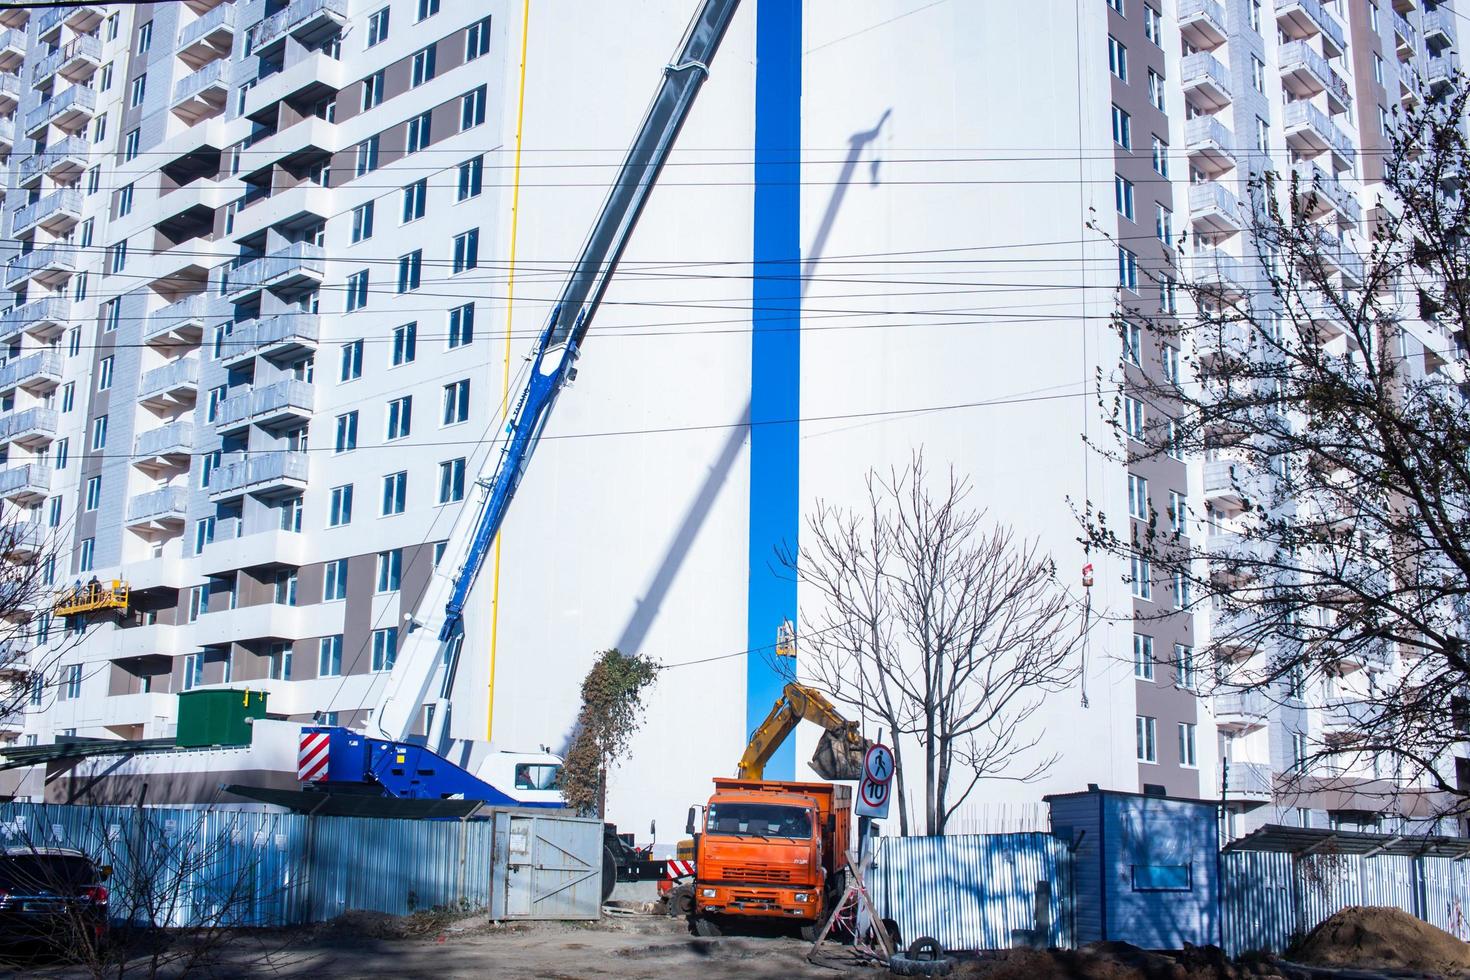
(1370, 937)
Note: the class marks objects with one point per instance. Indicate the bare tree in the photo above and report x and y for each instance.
(947, 628)
(1323, 383)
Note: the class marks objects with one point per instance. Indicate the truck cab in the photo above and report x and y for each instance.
(769, 850)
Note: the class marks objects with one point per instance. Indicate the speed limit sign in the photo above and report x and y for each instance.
(875, 790)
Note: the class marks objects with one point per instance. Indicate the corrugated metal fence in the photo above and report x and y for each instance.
(973, 891)
(1269, 897)
(229, 867)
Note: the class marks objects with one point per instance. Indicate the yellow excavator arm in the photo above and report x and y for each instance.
(840, 752)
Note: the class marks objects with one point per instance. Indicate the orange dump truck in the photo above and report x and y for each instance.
(769, 851)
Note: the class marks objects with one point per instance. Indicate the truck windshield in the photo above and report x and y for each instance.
(759, 820)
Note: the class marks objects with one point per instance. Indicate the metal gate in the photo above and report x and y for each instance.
(552, 867)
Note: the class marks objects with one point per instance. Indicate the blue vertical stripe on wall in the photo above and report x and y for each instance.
(775, 354)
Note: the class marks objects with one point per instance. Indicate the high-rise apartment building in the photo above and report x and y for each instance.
(275, 266)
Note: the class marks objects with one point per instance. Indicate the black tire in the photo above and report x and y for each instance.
(681, 901)
(809, 932)
(609, 873)
(707, 928)
(902, 965)
(925, 948)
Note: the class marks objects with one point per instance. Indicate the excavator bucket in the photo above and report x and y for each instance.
(840, 754)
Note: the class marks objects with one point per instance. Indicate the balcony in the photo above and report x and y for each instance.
(12, 49)
(274, 471)
(1321, 193)
(172, 386)
(305, 20)
(167, 447)
(1309, 132)
(292, 265)
(23, 542)
(184, 322)
(1438, 32)
(209, 38)
(1240, 712)
(57, 212)
(75, 61)
(62, 161)
(49, 266)
(49, 21)
(1337, 255)
(279, 336)
(1210, 145)
(84, 18)
(203, 93)
(34, 372)
(15, 17)
(1206, 81)
(1404, 38)
(7, 137)
(25, 484)
(1219, 272)
(69, 110)
(31, 427)
(1213, 209)
(1223, 481)
(1348, 714)
(1202, 22)
(272, 405)
(9, 93)
(43, 317)
(1308, 18)
(1239, 556)
(159, 510)
(1439, 76)
(1306, 73)
(1249, 782)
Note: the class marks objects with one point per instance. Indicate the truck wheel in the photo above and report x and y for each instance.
(609, 874)
(925, 958)
(707, 928)
(681, 900)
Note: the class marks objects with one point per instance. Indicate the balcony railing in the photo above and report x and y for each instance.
(65, 201)
(1207, 77)
(76, 97)
(85, 46)
(222, 16)
(7, 132)
(45, 364)
(1241, 709)
(31, 422)
(1404, 33)
(1299, 56)
(170, 377)
(273, 466)
(26, 480)
(258, 272)
(1312, 178)
(71, 148)
(1305, 118)
(1202, 22)
(1307, 17)
(52, 257)
(216, 74)
(172, 439)
(47, 310)
(287, 330)
(1251, 781)
(164, 504)
(297, 396)
(196, 310)
(1438, 27)
(299, 14)
(1210, 203)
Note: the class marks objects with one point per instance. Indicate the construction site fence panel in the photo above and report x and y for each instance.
(186, 867)
(1269, 899)
(974, 891)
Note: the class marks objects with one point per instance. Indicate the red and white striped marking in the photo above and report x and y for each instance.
(678, 869)
(311, 760)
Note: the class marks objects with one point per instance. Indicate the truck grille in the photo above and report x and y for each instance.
(757, 872)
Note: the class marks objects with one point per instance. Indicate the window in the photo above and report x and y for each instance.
(1116, 5)
(198, 602)
(1299, 751)
(1146, 730)
(472, 109)
(414, 197)
(203, 534)
(405, 343)
(1122, 128)
(351, 361)
(208, 463)
(461, 325)
(341, 510)
(385, 648)
(395, 493)
(79, 287)
(53, 516)
(390, 567)
(451, 481)
(456, 402)
(334, 580)
(1258, 74)
(1117, 59)
(367, 156)
(1176, 512)
(372, 89)
(99, 128)
(1378, 69)
(439, 547)
(1373, 14)
(1256, 15)
(105, 83)
(1163, 224)
(357, 290)
(362, 222)
(1133, 417)
(290, 509)
(419, 132)
(471, 174)
(329, 656)
(87, 232)
(477, 40)
(1263, 135)
(48, 570)
(1123, 196)
(1168, 294)
(216, 399)
(346, 432)
(1162, 878)
(94, 493)
(285, 594)
(1137, 497)
(400, 417)
(1140, 577)
(1383, 121)
(117, 257)
(466, 251)
(139, 89)
(1156, 90)
(1161, 157)
(99, 433)
(1184, 665)
(409, 269)
(60, 451)
(1153, 25)
(38, 689)
(1174, 441)
(377, 27)
(111, 314)
(89, 552)
(428, 8)
(104, 373)
(73, 681)
(1127, 269)
(145, 37)
(94, 179)
(1132, 343)
(422, 69)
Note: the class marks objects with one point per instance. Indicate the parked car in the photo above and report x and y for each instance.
(52, 899)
